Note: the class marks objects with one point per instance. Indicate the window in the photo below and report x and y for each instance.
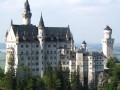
(21, 52)
(55, 57)
(49, 45)
(67, 57)
(65, 46)
(26, 52)
(51, 57)
(59, 51)
(37, 52)
(51, 51)
(22, 58)
(37, 45)
(33, 69)
(26, 46)
(63, 63)
(54, 45)
(47, 51)
(37, 69)
(67, 62)
(54, 51)
(36, 63)
(28, 64)
(21, 45)
(42, 56)
(46, 58)
(67, 51)
(36, 58)
(41, 51)
(28, 58)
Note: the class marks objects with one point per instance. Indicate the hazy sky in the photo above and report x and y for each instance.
(87, 18)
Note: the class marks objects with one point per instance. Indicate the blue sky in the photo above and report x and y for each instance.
(87, 18)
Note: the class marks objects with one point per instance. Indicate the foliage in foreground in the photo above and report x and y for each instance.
(113, 75)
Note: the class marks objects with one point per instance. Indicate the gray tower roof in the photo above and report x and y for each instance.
(27, 6)
(84, 42)
(107, 28)
(41, 23)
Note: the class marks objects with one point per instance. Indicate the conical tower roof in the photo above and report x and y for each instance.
(41, 23)
(107, 28)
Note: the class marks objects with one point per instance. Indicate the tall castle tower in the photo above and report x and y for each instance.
(26, 14)
(107, 42)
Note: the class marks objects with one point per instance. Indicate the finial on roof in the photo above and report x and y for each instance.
(11, 22)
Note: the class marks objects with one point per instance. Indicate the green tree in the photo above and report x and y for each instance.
(111, 62)
(10, 77)
(75, 80)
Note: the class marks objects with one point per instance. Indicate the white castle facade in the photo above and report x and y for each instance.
(37, 47)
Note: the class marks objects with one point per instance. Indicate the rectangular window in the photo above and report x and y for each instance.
(26, 46)
(54, 51)
(33, 69)
(28, 58)
(28, 64)
(36, 63)
(49, 45)
(37, 69)
(65, 46)
(21, 52)
(26, 52)
(37, 52)
(54, 57)
(36, 58)
(51, 51)
(37, 45)
(54, 45)
(21, 46)
(50, 57)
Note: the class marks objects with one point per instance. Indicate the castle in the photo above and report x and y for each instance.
(37, 47)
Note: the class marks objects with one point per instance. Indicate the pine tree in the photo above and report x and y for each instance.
(10, 76)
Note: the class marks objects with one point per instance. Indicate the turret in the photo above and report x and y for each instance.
(41, 28)
(17, 37)
(26, 13)
(107, 42)
(84, 44)
(41, 37)
(107, 32)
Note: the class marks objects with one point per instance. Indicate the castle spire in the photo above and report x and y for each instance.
(26, 13)
(11, 22)
(27, 6)
(41, 23)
